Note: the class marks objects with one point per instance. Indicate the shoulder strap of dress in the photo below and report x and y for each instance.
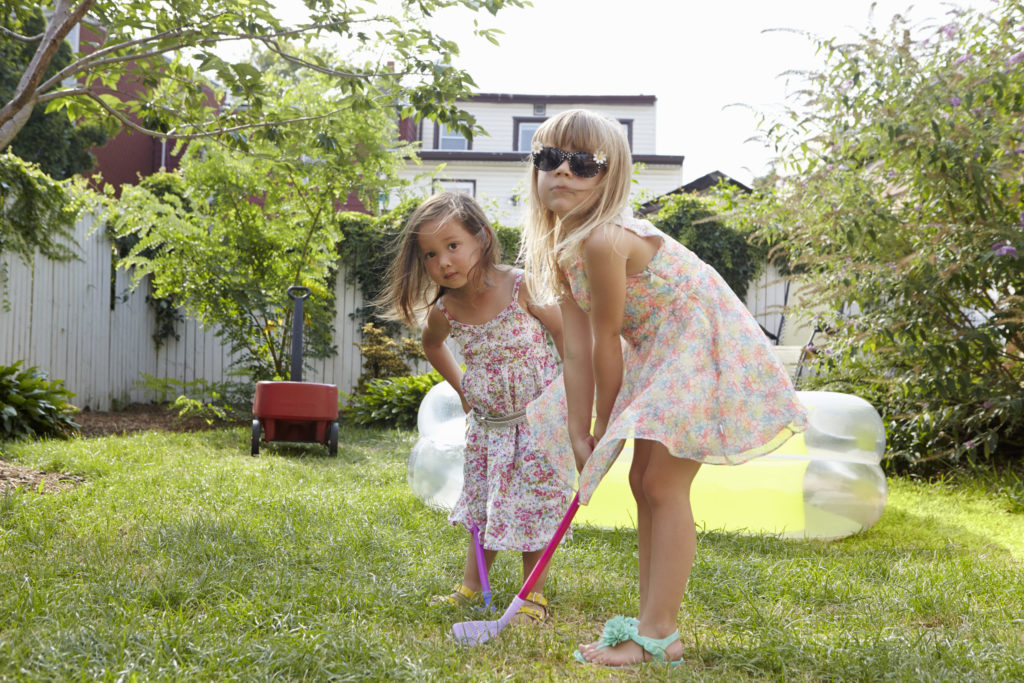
(515, 286)
(640, 226)
(444, 311)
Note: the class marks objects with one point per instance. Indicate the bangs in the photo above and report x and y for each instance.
(576, 132)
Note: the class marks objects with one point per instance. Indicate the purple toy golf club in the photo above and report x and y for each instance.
(476, 632)
(481, 568)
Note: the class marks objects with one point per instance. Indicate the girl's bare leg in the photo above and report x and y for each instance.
(641, 458)
(672, 545)
(530, 560)
(470, 575)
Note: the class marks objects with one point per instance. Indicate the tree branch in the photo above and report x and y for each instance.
(4, 31)
(97, 58)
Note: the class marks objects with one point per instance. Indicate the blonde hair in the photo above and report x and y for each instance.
(550, 244)
(410, 292)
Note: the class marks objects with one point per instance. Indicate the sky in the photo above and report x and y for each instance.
(713, 65)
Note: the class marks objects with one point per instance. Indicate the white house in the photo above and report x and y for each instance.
(493, 167)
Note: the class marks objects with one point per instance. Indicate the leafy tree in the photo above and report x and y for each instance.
(170, 47)
(49, 139)
(900, 198)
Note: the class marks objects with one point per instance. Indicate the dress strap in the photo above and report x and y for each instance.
(515, 287)
(444, 311)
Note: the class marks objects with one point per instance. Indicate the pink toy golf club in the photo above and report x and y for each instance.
(481, 568)
(476, 632)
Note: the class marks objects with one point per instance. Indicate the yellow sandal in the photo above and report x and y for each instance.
(532, 614)
(459, 597)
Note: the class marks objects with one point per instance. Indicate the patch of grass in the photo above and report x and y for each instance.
(182, 557)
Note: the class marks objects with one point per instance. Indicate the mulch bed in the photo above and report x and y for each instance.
(137, 417)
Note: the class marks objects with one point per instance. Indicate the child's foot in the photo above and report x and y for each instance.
(622, 645)
(626, 624)
(461, 596)
(535, 611)
(630, 653)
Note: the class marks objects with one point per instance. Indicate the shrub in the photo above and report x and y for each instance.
(903, 211)
(382, 356)
(211, 401)
(31, 405)
(390, 402)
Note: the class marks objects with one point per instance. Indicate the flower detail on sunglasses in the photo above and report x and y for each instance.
(600, 158)
(536, 147)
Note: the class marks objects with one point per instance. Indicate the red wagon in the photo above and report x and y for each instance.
(296, 411)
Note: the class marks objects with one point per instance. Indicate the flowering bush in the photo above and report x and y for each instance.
(900, 202)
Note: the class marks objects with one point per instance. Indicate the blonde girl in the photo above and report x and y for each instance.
(657, 349)
(447, 277)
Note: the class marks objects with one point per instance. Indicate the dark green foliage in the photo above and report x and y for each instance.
(694, 222)
(392, 402)
(366, 254)
(31, 405)
(509, 239)
(49, 138)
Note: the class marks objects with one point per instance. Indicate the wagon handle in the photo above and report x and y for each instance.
(298, 295)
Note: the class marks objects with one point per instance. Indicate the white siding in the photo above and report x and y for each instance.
(497, 119)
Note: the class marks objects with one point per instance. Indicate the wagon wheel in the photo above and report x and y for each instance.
(256, 437)
(332, 440)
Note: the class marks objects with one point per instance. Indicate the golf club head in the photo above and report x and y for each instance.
(476, 632)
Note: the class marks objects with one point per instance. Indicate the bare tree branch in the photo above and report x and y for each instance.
(4, 31)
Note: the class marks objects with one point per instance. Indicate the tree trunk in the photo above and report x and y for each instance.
(16, 112)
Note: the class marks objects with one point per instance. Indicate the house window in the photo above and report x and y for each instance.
(448, 139)
(523, 129)
(627, 128)
(455, 185)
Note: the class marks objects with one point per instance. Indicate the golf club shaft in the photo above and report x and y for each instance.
(542, 563)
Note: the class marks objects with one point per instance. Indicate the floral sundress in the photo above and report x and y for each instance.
(698, 373)
(511, 491)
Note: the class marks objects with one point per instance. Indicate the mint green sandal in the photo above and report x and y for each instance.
(620, 629)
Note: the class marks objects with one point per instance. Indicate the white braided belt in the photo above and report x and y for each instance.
(499, 421)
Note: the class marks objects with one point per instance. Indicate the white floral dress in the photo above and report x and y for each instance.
(511, 491)
(699, 375)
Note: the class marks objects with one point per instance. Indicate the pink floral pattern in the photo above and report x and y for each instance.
(511, 490)
(699, 375)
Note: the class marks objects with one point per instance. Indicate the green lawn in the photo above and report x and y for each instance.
(184, 558)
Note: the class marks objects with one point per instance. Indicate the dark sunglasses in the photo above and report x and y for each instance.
(582, 164)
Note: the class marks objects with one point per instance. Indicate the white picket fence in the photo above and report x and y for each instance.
(79, 322)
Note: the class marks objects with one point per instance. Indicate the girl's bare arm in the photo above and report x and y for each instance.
(578, 376)
(604, 256)
(435, 331)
